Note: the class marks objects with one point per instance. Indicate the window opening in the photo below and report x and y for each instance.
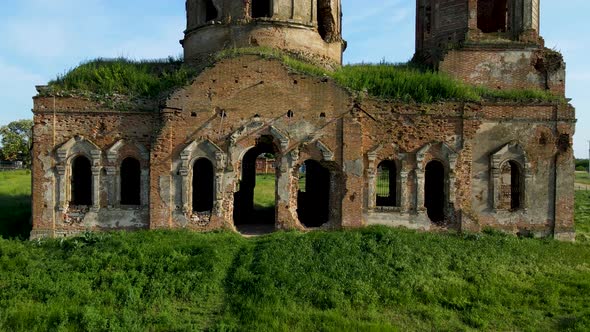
(130, 182)
(261, 8)
(492, 15)
(326, 23)
(511, 186)
(203, 185)
(386, 184)
(210, 11)
(81, 181)
(314, 194)
(428, 18)
(434, 191)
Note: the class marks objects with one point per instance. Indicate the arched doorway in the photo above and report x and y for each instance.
(203, 185)
(313, 200)
(434, 191)
(81, 182)
(130, 182)
(255, 202)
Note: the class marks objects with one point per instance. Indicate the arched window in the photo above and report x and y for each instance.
(81, 181)
(511, 186)
(203, 185)
(386, 186)
(261, 8)
(434, 191)
(492, 15)
(130, 182)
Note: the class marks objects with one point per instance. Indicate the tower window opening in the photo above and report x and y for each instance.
(81, 182)
(130, 182)
(203, 185)
(326, 22)
(511, 189)
(492, 15)
(428, 18)
(261, 8)
(387, 184)
(210, 11)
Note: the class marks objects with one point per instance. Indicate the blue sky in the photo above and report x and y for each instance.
(42, 38)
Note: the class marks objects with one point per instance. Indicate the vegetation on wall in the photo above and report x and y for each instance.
(126, 77)
(402, 82)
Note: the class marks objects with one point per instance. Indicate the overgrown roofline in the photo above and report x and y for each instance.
(156, 79)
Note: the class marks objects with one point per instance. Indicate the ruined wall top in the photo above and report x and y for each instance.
(311, 28)
(446, 24)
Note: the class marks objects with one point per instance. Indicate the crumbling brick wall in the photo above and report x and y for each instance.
(231, 106)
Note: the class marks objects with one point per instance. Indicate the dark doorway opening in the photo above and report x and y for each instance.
(210, 11)
(434, 191)
(130, 182)
(261, 8)
(255, 202)
(326, 23)
(81, 181)
(492, 15)
(203, 185)
(386, 186)
(313, 200)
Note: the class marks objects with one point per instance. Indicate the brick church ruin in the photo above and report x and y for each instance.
(343, 158)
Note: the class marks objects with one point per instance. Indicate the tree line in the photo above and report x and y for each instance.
(16, 140)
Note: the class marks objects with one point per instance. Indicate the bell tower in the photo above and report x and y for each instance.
(310, 28)
(495, 43)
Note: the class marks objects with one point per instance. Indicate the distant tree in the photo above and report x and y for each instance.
(582, 163)
(16, 141)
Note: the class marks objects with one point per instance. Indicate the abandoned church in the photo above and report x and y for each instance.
(344, 157)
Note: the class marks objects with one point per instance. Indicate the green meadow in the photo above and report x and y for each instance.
(373, 279)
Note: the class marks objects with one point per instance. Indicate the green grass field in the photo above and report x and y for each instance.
(373, 279)
(264, 192)
(582, 177)
(15, 203)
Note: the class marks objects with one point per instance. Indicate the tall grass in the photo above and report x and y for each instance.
(370, 279)
(583, 216)
(401, 82)
(364, 280)
(126, 77)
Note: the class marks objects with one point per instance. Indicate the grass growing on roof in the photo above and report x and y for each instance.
(402, 82)
(126, 77)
